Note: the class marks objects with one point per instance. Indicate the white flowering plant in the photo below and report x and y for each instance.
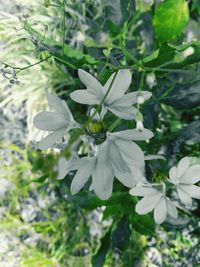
(120, 127)
(114, 154)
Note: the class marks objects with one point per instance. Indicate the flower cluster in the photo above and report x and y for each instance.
(114, 154)
(183, 177)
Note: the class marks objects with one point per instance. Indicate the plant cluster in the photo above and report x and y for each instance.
(131, 131)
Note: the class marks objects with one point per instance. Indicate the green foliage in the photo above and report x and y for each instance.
(170, 19)
(144, 6)
(184, 96)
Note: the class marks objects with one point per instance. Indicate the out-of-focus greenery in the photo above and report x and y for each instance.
(43, 43)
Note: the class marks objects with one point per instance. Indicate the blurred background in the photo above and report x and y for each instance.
(40, 225)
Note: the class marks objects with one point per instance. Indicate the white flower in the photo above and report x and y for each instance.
(116, 101)
(116, 157)
(65, 166)
(184, 176)
(154, 199)
(58, 122)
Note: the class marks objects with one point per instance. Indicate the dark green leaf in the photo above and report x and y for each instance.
(99, 258)
(173, 56)
(191, 133)
(121, 234)
(91, 201)
(184, 96)
(143, 224)
(164, 54)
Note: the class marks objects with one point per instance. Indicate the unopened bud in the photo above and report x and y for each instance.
(139, 126)
(188, 52)
(140, 99)
(151, 80)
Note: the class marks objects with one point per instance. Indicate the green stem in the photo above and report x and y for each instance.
(63, 27)
(26, 67)
(141, 81)
(169, 70)
(114, 125)
(65, 62)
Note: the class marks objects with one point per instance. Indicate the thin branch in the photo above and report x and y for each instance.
(63, 26)
(26, 67)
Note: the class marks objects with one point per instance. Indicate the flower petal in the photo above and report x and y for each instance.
(65, 166)
(152, 157)
(133, 135)
(143, 190)
(131, 98)
(82, 175)
(192, 175)
(131, 178)
(102, 177)
(183, 196)
(147, 204)
(126, 178)
(183, 165)
(119, 87)
(59, 105)
(91, 83)
(84, 97)
(173, 173)
(131, 152)
(50, 121)
(171, 208)
(103, 180)
(160, 211)
(126, 113)
(125, 101)
(145, 94)
(51, 139)
(192, 190)
(116, 158)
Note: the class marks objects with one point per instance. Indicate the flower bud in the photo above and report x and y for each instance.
(139, 126)
(140, 98)
(151, 80)
(188, 52)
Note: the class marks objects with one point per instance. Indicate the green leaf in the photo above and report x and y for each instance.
(173, 56)
(170, 19)
(143, 224)
(184, 96)
(121, 234)
(90, 201)
(144, 5)
(195, 5)
(191, 133)
(164, 54)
